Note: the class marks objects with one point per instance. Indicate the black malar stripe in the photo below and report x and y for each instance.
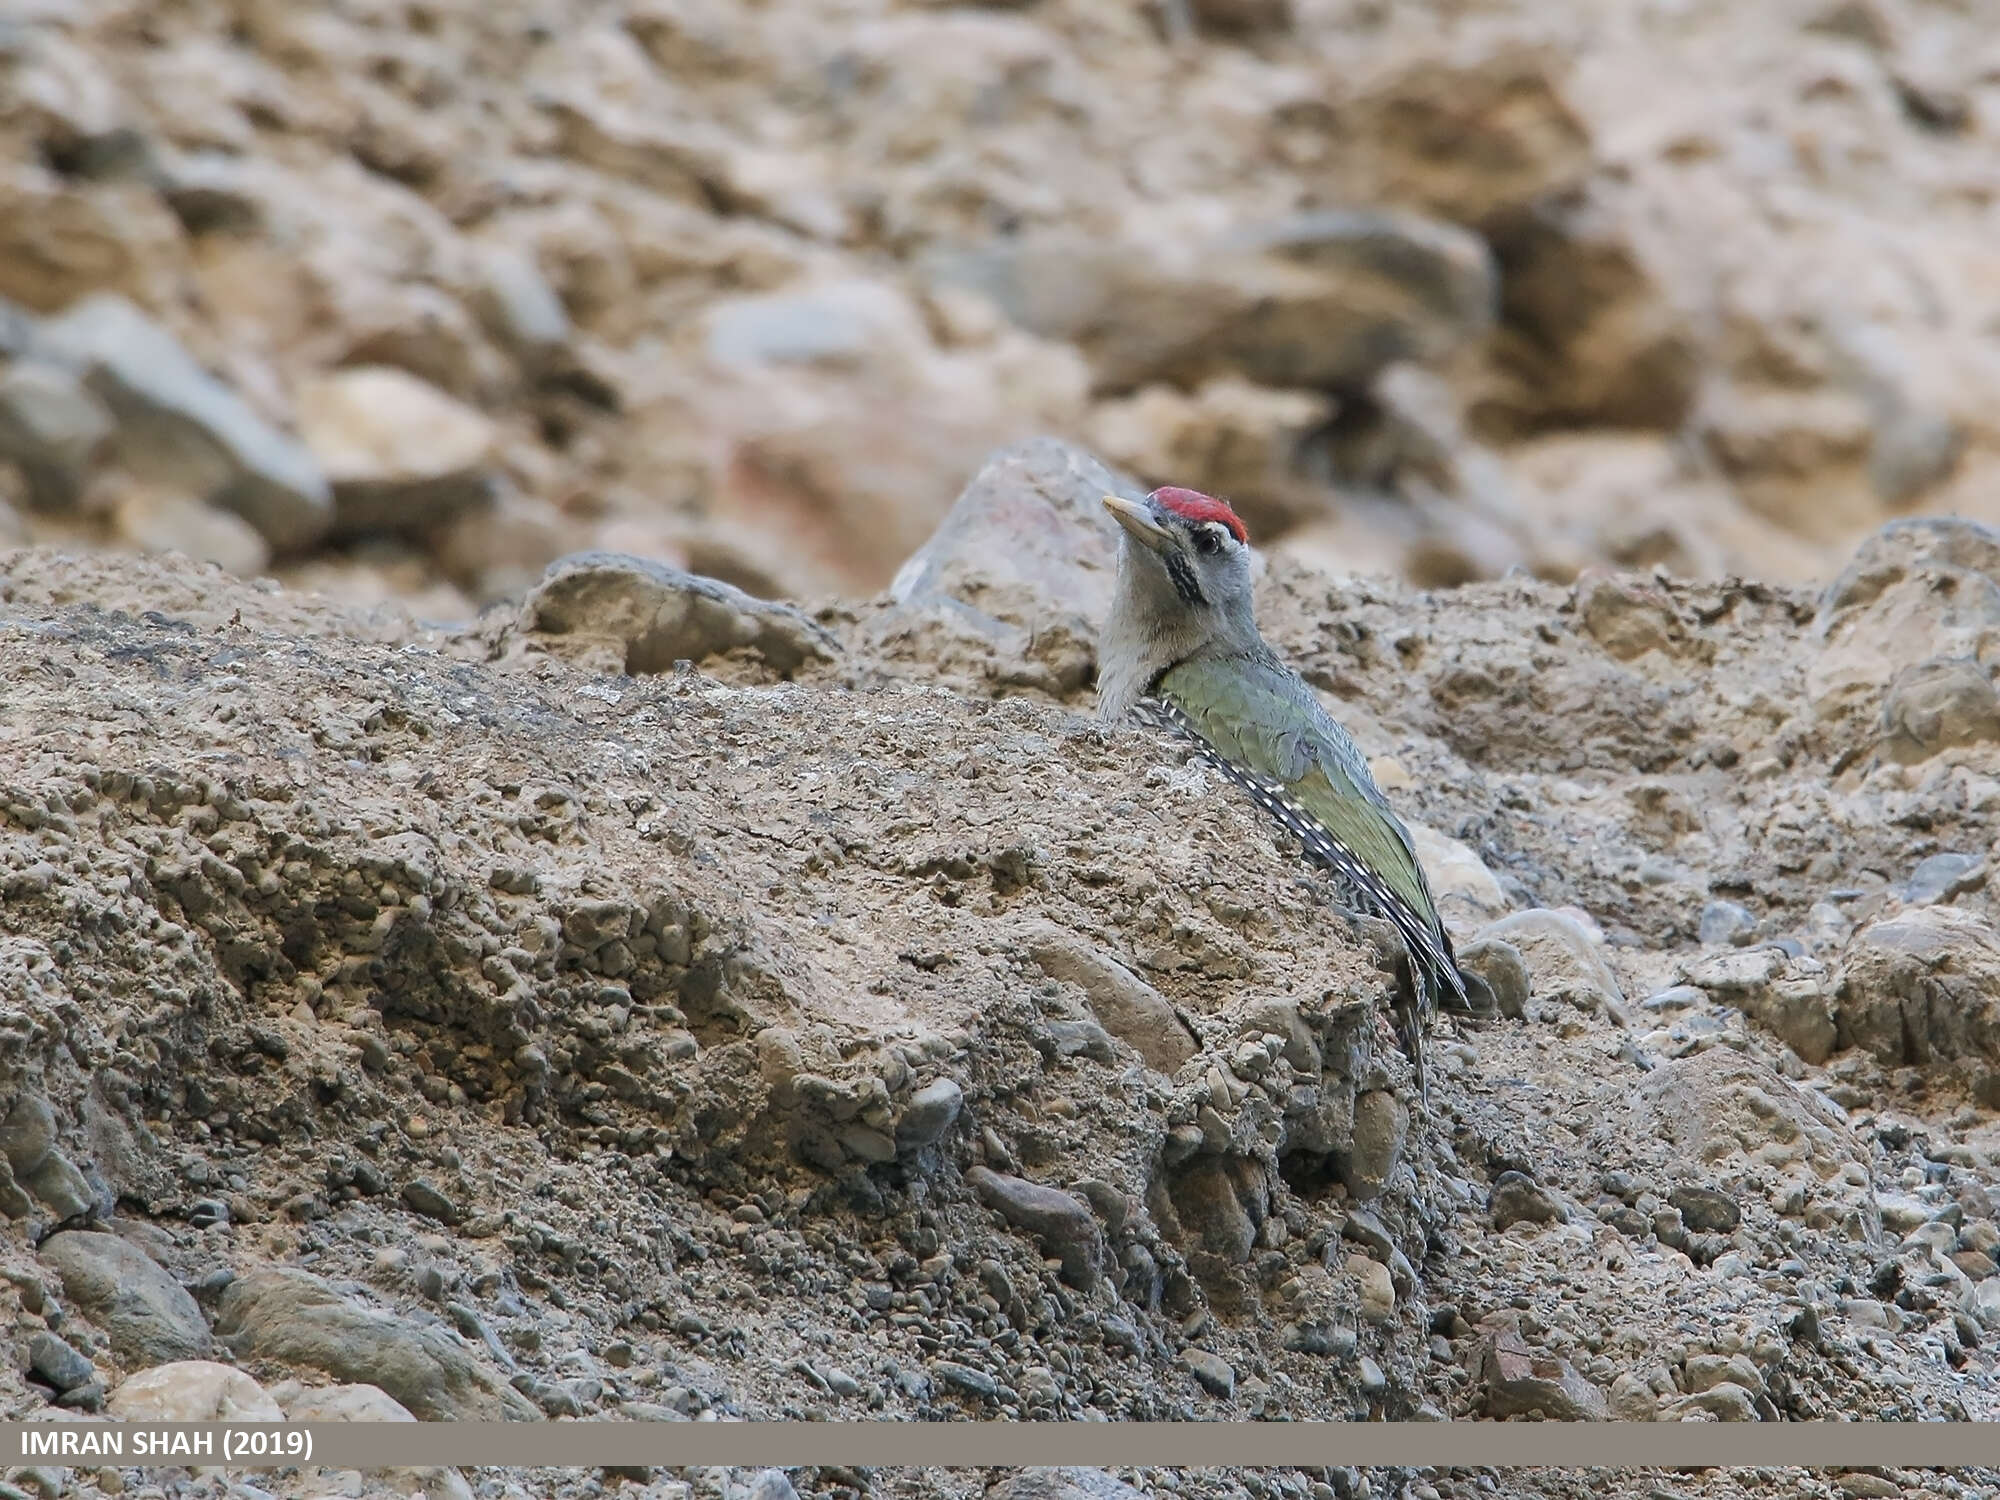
(1184, 580)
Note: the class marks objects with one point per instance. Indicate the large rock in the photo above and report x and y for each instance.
(28, 1134)
(295, 1318)
(1467, 892)
(158, 518)
(1124, 1004)
(52, 426)
(1590, 333)
(1403, 137)
(213, 191)
(1347, 294)
(427, 335)
(1796, 454)
(1021, 568)
(1562, 960)
(193, 1390)
(1218, 1205)
(1725, 1115)
(344, 1403)
(28, 1139)
(1935, 611)
(1320, 300)
(1591, 495)
(1627, 616)
(148, 1316)
(1923, 986)
(836, 416)
(1724, 1401)
(1060, 1220)
(835, 325)
(1027, 538)
(1513, 1380)
(1937, 705)
(519, 307)
(368, 1403)
(62, 1188)
(1518, 1199)
(1792, 997)
(930, 1113)
(1908, 622)
(1915, 440)
(401, 454)
(1908, 546)
(180, 425)
(58, 1362)
(650, 616)
(60, 241)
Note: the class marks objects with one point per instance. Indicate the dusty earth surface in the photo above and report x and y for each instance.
(653, 1003)
(405, 298)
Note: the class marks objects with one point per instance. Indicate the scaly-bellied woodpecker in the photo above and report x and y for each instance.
(1181, 650)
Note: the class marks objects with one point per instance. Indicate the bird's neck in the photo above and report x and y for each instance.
(1150, 629)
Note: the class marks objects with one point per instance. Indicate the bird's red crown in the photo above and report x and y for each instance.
(1193, 505)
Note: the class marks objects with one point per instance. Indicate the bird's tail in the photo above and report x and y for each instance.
(1428, 979)
(1412, 1003)
(1474, 998)
(1431, 956)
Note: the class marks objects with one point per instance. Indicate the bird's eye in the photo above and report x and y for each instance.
(1206, 541)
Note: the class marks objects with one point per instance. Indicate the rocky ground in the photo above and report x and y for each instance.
(406, 299)
(644, 1000)
(655, 1003)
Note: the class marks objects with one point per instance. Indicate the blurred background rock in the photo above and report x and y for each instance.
(401, 299)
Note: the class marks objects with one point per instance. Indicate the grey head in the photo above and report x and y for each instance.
(1184, 586)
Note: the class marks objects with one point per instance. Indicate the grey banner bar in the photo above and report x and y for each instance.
(1007, 1444)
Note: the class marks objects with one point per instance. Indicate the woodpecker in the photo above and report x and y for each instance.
(1182, 652)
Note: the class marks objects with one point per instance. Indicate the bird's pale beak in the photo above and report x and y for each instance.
(1137, 521)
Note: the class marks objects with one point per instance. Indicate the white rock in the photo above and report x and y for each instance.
(154, 518)
(1562, 959)
(1467, 892)
(370, 1403)
(516, 302)
(1378, 1288)
(845, 324)
(193, 1390)
(1982, 1301)
(345, 1403)
(400, 452)
(52, 425)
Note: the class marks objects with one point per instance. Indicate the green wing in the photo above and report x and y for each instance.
(1264, 718)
